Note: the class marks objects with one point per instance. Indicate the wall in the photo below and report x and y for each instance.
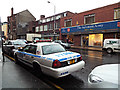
(102, 14)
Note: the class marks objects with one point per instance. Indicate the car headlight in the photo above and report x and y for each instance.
(94, 79)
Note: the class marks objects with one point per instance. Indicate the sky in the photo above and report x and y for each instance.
(42, 7)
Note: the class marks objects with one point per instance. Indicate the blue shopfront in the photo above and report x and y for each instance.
(92, 35)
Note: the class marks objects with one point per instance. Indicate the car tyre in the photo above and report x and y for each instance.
(109, 50)
(37, 69)
(16, 59)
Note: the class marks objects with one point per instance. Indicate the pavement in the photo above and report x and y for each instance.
(14, 77)
(88, 48)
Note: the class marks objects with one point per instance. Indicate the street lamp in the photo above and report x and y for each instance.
(54, 19)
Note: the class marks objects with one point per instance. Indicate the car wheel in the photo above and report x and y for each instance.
(37, 69)
(109, 50)
(16, 59)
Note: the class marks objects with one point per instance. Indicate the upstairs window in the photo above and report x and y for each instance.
(50, 26)
(45, 27)
(68, 23)
(37, 29)
(57, 25)
(117, 13)
(58, 17)
(89, 19)
(41, 28)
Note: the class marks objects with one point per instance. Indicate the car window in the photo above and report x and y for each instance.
(50, 49)
(26, 48)
(32, 49)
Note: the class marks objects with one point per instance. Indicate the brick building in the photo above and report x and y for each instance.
(91, 27)
(18, 24)
(48, 27)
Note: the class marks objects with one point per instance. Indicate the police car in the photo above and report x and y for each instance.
(50, 58)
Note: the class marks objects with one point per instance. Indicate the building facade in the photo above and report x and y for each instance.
(5, 30)
(18, 24)
(49, 27)
(90, 28)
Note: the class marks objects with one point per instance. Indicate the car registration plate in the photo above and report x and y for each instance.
(71, 61)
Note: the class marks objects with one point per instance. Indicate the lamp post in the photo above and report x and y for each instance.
(53, 19)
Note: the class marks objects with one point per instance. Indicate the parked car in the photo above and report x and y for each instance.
(23, 40)
(10, 45)
(64, 44)
(111, 45)
(104, 76)
(50, 58)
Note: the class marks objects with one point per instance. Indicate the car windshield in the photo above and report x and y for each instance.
(50, 49)
(19, 42)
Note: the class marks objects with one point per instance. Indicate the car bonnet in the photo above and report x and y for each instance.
(108, 72)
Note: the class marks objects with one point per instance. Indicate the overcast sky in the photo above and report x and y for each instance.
(41, 7)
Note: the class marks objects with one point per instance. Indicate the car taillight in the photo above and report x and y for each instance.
(79, 59)
(56, 64)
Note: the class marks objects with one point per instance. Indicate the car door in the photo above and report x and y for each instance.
(22, 54)
(31, 53)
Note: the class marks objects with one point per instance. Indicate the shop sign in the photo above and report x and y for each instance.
(118, 24)
(100, 26)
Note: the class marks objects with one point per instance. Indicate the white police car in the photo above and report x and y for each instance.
(50, 58)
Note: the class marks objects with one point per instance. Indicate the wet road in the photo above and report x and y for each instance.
(75, 80)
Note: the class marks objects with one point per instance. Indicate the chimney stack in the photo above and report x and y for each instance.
(12, 11)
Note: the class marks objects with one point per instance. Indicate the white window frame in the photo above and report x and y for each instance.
(37, 29)
(117, 13)
(41, 28)
(86, 16)
(67, 21)
(58, 17)
(45, 28)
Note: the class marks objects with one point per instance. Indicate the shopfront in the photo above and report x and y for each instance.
(92, 35)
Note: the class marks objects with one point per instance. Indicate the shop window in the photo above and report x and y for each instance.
(95, 39)
(89, 19)
(117, 13)
(68, 23)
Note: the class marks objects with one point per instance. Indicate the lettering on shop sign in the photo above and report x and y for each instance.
(89, 27)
